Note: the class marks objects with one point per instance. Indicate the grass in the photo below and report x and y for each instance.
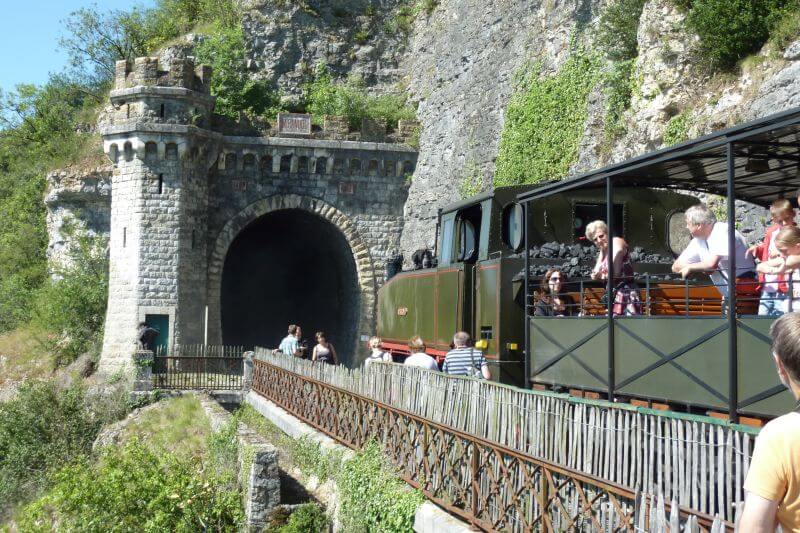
(22, 356)
(178, 425)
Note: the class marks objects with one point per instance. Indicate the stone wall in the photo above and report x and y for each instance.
(76, 201)
(182, 193)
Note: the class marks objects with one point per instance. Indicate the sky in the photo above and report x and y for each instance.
(29, 33)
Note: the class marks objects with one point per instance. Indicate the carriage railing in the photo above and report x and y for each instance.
(667, 294)
(199, 366)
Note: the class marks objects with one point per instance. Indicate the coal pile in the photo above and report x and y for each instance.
(577, 261)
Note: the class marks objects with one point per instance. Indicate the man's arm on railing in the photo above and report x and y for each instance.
(684, 269)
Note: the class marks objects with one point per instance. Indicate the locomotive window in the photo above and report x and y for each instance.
(586, 213)
(446, 248)
(677, 236)
(512, 226)
(466, 240)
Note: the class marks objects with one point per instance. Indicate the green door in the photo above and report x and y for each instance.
(161, 324)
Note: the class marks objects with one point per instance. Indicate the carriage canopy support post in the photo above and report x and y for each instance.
(610, 296)
(733, 360)
(526, 280)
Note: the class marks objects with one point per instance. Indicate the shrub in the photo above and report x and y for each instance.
(323, 96)
(43, 427)
(617, 29)
(236, 92)
(372, 498)
(134, 488)
(306, 518)
(731, 29)
(677, 129)
(619, 89)
(544, 122)
(72, 306)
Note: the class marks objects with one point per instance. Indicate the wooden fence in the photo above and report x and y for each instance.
(199, 366)
(697, 462)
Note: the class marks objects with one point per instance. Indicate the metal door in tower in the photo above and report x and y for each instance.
(161, 324)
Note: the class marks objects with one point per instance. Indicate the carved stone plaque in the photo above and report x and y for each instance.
(294, 123)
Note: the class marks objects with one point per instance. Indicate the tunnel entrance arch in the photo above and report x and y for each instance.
(291, 259)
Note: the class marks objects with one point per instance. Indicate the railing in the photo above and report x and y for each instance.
(498, 464)
(661, 294)
(199, 366)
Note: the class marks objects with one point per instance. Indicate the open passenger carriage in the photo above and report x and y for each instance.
(685, 349)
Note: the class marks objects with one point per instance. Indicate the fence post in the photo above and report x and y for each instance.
(247, 377)
(474, 491)
(143, 363)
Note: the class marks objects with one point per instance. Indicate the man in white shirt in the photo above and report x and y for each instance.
(418, 356)
(290, 345)
(708, 249)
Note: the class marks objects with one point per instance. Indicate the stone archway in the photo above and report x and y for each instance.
(364, 267)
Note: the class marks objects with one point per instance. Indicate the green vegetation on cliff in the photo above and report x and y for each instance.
(545, 121)
(729, 30)
(350, 99)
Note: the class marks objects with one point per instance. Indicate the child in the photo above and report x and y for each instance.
(773, 286)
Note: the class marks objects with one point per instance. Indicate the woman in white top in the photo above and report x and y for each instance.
(418, 356)
(377, 354)
(787, 242)
(323, 351)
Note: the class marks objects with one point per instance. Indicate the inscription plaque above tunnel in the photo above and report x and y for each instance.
(294, 124)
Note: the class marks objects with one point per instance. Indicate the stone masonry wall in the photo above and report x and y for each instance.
(182, 193)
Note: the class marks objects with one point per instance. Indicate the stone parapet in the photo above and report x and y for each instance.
(180, 72)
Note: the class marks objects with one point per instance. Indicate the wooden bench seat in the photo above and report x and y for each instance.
(670, 299)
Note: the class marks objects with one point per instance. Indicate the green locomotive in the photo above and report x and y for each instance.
(477, 284)
(690, 347)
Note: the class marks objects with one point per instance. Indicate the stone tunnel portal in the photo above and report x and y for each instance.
(290, 267)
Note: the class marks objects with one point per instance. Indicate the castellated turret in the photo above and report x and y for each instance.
(157, 136)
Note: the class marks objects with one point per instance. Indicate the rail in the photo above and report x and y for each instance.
(663, 295)
(491, 485)
(199, 367)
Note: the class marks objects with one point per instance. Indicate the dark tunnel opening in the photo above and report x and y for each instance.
(290, 267)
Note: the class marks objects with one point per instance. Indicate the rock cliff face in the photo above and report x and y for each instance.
(462, 60)
(76, 200)
(461, 64)
(458, 64)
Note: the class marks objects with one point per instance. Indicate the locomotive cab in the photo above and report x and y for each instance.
(470, 289)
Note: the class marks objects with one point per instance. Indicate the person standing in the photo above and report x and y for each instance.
(290, 345)
(418, 356)
(626, 296)
(324, 350)
(464, 360)
(376, 354)
(146, 337)
(772, 487)
(773, 287)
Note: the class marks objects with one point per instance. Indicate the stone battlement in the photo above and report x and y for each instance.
(147, 71)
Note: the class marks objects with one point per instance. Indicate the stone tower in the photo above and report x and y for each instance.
(159, 140)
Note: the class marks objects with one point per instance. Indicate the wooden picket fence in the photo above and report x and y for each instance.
(693, 462)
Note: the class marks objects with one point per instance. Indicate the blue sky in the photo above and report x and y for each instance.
(29, 33)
